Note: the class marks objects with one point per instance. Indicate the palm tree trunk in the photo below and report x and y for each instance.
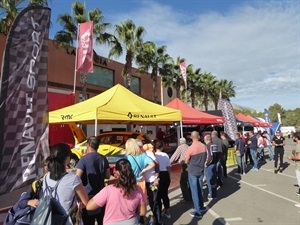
(193, 98)
(155, 94)
(206, 101)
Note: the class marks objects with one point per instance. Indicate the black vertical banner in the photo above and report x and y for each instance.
(230, 126)
(23, 98)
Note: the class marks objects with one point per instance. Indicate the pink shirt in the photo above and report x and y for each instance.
(118, 207)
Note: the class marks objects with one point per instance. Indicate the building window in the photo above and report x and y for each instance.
(136, 85)
(101, 77)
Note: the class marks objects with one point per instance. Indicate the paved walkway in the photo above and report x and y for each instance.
(253, 199)
(256, 198)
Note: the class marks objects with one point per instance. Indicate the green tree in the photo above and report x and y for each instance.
(171, 75)
(291, 118)
(207, 84)
(274, 110)
(223, 89)
(10, 9)
(192, 93)
(152, 58)
(66, 37)
(129, 39)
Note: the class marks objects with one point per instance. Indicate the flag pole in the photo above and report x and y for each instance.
(76, 59)
(1, 73)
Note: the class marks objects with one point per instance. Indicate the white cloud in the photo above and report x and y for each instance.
(256, 46)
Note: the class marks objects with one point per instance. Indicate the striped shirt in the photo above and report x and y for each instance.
(179, 154)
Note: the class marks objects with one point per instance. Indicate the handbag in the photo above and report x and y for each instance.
(238, 153)
(18, 216)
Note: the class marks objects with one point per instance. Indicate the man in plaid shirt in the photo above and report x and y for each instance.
(179, 156)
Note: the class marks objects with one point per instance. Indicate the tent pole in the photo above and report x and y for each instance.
(181, 129)
(96, 127)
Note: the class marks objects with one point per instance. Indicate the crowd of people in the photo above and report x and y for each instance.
(143, 176)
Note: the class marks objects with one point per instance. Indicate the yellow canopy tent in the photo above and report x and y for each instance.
(116, 105)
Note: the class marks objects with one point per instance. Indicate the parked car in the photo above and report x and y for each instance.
(112, 145)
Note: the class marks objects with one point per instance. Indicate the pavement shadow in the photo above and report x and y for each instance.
(177, 210)
(285, 165)
(230, 186)
(219, 221)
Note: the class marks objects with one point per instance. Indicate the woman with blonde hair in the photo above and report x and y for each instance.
(140, 163)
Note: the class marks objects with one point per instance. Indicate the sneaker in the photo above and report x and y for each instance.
(254, 169)
(297, 205)
(244, 173)
(168, 215)
(196, 215)
(298, 194)
(209, 197)
(203, 209)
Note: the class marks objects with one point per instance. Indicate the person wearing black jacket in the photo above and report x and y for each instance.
(252, 143)
(278, 143)
(211, 167)
(239, 150)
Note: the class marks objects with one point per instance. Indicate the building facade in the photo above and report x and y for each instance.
(107, 73)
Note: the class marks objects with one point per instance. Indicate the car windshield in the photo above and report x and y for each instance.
(120, 139)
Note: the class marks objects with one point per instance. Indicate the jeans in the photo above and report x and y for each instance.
(88, 219)
(224, 159)
(163, 189)
(241, 164)
(254, 158)
(271, 154)
(184, 184)
(248, 156)
(220, 172)
(280, 152)
(152, 197)
(261, 152)
(211, 179)
(196, 185)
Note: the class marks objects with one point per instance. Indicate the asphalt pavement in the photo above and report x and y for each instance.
(260, 197)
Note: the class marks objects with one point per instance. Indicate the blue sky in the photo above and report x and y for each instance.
(254, 43)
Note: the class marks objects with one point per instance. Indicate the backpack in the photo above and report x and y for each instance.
(50, 211)
(23, 216)
(264, 142)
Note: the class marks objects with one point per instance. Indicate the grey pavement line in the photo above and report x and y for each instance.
(174, 199)
(281, 174)
(269, 192)
(218, 217)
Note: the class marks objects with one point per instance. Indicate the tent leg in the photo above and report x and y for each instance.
(181, 129)
(96, 127)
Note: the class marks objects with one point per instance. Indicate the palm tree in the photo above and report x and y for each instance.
(207, 84)
(191, 93)
(128, 38)
(152, 58)
(66, 37)
(223, 89)
(171, 75)
(11, 8)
